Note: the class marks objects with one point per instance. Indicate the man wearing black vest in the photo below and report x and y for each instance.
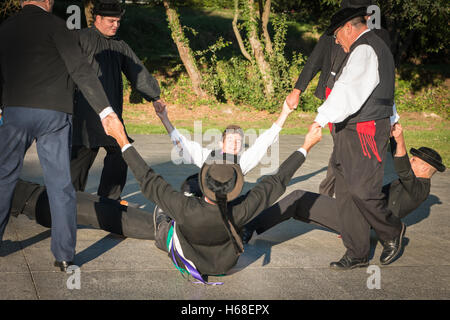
(359, 108)
(39, 63)
(403, 195)
(328, 58)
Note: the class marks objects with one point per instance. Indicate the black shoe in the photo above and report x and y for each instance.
(159, 217)
(246, 234)
(392, 248)
(347, 263)
(63, 265)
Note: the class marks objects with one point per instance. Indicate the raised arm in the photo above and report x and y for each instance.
(253, 155)
(152, 185)
(271, 187)
(312, 67)
(191, 151)
(403, 167)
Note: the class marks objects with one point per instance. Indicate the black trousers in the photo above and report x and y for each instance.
(359, 178)
(301, 205)
(327, 185)
(114, 173)
(31, 199)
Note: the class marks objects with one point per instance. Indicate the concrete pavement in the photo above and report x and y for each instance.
(288, 262)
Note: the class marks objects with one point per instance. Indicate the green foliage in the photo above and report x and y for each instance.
(419, 28)
(239, 81)
(435, 99)
(8, 8)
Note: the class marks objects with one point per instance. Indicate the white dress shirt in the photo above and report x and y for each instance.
(194, 153)
(358, 80)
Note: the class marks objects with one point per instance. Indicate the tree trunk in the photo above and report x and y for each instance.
(184, 50)
(263, 65)
(8, 8)
(265, 22)
(88, 6)
(237, 33)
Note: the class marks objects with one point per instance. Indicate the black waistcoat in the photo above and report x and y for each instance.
(380, 102)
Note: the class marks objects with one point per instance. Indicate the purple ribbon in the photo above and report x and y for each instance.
(188, 266)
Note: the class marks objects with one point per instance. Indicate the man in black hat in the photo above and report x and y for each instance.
(109, 56)
(202, 234)
(403, 195)
(328, 57)
(359, 108)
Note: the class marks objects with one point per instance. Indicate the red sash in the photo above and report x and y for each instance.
(366, 132)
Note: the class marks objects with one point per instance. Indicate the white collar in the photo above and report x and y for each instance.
(365, 31)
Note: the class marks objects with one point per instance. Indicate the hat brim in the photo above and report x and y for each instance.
(431, 161)
(346, 15)
(106, 13)
(233, 194)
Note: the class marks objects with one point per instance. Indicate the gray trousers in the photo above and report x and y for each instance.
(52, 132)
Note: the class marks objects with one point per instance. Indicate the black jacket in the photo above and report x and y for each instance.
(199, 225)
(39, 61)
(407, 192)
(109, 57)
(326, 56)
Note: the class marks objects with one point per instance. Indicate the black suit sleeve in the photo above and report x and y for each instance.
(313, 64)
(268, 190)
(139, 76)
(155, 188)
(408, 179)
(79, 69)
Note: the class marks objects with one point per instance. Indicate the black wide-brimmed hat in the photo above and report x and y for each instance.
(221, 180)
(430, 156)
(342, 16)
(355, 3)
(108, 8)
(221, 174)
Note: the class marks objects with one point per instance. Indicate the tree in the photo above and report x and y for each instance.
(8, 8)
(184, 50)
(259, 49)
(418, 28)
(88, 6)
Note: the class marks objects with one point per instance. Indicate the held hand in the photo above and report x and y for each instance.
(397, 131)
(160, 109)
(293, 99)
(287, 108)
(114, 128)
(313, 136)
(159, 106)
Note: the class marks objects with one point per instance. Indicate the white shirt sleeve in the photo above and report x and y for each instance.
(358, 80)
(303, 151)
(253, 155)
(106, 112)
(125, 147)
(192, 152)
(395, 117)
